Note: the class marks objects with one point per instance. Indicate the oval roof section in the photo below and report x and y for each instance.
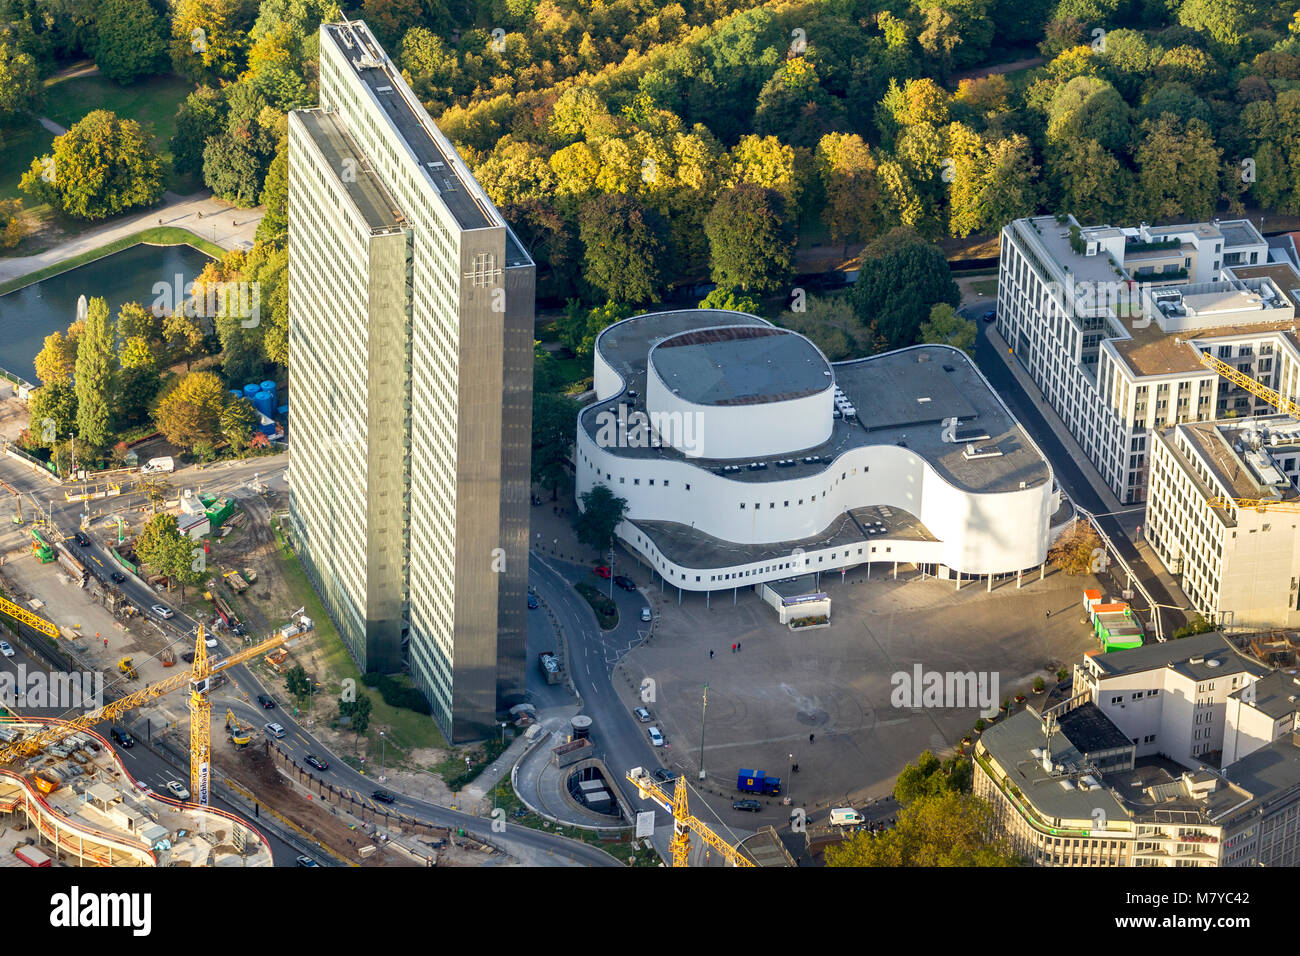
(741, 365)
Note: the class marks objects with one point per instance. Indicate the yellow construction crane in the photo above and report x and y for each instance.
(28, 618)
(1259, 504)
(683, 822)
(1258, 389)
(199, 679)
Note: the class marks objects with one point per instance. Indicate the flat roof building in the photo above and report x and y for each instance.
(746, 457)
(1091, 781)
(1111, 324)
(411, 314)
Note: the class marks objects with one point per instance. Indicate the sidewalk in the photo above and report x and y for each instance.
(209, 218)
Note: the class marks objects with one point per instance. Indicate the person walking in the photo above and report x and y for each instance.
(710, 655)
(737, 646)
(811, 737)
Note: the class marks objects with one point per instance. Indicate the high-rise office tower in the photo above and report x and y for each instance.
(411, 348)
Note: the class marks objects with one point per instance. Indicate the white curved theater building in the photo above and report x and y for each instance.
(745, 456)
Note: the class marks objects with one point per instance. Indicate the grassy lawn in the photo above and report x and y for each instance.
(158, 236)
(404, 729)
(987, 287)
(152, 103)
(22, 143)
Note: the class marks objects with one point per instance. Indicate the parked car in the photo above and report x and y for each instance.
(81, 539)
(646, 615)
(753, 806)
(122, 738)
(532, 601)
(626, 583)
(314, 761)
(178, 790)
(163, 612)
(275, 730)
(656, 738)
(664, 775)
(991, 315)
(306, 861)
(6, 649)
(383, 796)
(601, 571)
(643, 715)
(266, 702)
(117, 577)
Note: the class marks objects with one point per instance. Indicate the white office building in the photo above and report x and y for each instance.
(411, 314)
(1110, 323)
(1238, 563)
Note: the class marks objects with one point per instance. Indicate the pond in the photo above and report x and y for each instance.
(29, 314)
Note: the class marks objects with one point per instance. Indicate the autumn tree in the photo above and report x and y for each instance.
(848, 175)
(100, 167)
(950, 829)
(1078, 550)
(946, 327)
(190, 413)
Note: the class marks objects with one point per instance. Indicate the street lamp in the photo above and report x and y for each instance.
(790, 779)
(383, 755)
(704, 709)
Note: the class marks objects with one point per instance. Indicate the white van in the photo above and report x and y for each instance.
(656, 738)
(846, 817)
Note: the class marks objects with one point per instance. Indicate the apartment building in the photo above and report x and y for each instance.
(411, 314)
(1111, 322)
(1238, 563)
(1119, 775)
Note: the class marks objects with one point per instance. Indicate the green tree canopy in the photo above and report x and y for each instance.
(129, 40)
(897, 289)
(946, 327)
(602, 510)
(94, 376)
(624, 248)
(751, 239)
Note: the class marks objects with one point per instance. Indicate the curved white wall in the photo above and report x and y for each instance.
(743, 431)
(979, 533)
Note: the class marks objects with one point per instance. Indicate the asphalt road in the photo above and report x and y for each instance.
(1069, 473)
(531, 846)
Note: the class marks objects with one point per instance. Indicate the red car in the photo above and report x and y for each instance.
(601, 572)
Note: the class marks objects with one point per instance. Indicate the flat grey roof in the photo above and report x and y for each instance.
(1270, 771)
(1275, 695)
(367, 193)
(1011, 743)
(689, 547)
(887, 391)
(741, 365)
(375, 70)
(1189, 656)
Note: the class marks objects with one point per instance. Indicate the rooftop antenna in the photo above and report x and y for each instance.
(1049, 729)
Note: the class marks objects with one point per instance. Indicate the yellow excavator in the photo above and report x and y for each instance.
(239, 734)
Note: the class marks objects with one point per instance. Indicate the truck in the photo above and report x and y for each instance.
(551, 667)
(158, 466)
(756, 781)
(236, 582)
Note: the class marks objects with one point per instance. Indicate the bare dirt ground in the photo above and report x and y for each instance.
(254, 771)
(13, 413)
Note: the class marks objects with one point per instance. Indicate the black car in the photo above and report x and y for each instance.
(81, 539)
(625, 583)
(991, 315)
(753, 806)
(383, 796)
(316, 762)
(117, 577)
(265, 701)
(532, 601)
(664, 775)
(188, 657)
(122, 738)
